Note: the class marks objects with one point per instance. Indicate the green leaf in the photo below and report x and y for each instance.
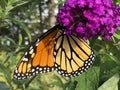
(117, 36)
(3, 3)
(12, 4)
(6, 58)
(1, 12)
(23, 26)
(6, 72)
(20, 39)
(109, 57)
(90, 79)
(111, 84)
(11, 40)
(3, 86)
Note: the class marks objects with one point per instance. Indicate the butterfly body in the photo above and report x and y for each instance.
(55, 50)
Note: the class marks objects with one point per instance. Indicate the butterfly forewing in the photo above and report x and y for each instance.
(39, 56)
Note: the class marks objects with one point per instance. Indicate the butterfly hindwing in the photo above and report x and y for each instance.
(72, 55)
(39, 56)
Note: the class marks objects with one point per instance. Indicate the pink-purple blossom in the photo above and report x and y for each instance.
(89, 18)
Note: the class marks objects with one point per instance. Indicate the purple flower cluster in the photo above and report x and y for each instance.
(89, 18)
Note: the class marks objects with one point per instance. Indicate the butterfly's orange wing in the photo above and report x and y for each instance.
(39, 56)
(67, 54)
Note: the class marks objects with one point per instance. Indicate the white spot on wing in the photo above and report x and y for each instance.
(33, 70)
(54, 53)
(36, 72)
(36, 44)
(18, 74)
(26, 53)
(16, 71)
(25, 59)
(38, 40)
(40, 69)
(31, 51)
(31, 47)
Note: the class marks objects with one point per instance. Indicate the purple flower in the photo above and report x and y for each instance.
(89, 18)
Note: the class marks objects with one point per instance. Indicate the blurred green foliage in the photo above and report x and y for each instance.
(21, 21)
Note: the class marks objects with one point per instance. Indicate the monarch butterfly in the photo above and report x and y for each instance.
(54, 50)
